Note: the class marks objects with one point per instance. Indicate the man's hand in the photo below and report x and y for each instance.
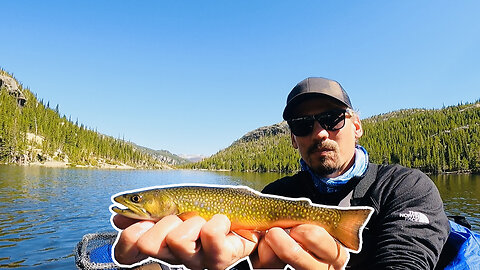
(305, 247)
(195, 243)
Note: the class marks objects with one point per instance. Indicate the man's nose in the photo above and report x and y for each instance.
(319, 132)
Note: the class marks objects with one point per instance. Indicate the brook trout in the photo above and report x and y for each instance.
(247, 210)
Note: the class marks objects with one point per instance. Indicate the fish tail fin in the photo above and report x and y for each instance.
(349, 229)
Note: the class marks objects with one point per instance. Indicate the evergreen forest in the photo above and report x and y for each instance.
(31, 131)
(432, 140)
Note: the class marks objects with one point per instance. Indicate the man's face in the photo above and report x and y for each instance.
(327, 153)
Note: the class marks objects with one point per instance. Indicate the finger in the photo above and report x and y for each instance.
(213, 238)
(122, 222)
(320, 243)
(153, 243)
(214, 233)
(125, 249)
(183, 241)
(221, 247)
(289, 251)
(265, 257)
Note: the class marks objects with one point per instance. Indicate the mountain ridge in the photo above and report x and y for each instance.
(34, 133)
(433, 140)
(441, 140)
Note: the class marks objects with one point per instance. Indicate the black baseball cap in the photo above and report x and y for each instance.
(315, 86)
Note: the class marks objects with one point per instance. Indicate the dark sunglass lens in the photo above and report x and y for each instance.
(332, 121)
(301, 127)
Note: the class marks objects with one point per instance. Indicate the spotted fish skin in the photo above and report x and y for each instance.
(246, 209)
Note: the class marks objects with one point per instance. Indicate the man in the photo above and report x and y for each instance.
(407, 230)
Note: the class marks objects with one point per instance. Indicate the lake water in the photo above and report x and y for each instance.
(44, 212)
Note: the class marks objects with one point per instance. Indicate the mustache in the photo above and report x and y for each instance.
(322, 146)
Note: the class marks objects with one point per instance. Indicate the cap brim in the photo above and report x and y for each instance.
(288, 111)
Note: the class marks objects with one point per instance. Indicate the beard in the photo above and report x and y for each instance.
(326, 164)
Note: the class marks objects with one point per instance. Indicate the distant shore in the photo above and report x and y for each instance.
(61, 164)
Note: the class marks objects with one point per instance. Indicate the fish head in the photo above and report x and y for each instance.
(145, 205)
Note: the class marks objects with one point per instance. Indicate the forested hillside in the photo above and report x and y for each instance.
(435, 141)
(31, 131)
(163, 156)
(267, 149)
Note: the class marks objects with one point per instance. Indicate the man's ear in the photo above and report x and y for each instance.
(294, 141)
(358, 127)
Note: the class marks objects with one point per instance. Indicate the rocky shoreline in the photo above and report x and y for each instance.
(60, 164)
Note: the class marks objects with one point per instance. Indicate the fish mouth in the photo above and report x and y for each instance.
(130, 210)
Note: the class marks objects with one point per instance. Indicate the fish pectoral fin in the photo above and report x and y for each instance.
(186, 215)
(247, 234)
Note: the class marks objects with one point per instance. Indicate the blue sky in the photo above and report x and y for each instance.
(191, 77)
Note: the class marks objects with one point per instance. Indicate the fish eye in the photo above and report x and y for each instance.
(136, 198)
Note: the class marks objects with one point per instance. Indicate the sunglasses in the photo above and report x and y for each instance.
(331, 120)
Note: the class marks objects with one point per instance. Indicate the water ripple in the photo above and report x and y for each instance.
(45, 212)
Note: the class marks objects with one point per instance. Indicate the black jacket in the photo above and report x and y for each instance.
(408, 228)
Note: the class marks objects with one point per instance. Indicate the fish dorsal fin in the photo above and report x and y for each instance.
(246, 190)
(298, 201)
(305, 202)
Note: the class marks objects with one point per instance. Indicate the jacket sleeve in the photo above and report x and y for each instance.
(411, 227)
